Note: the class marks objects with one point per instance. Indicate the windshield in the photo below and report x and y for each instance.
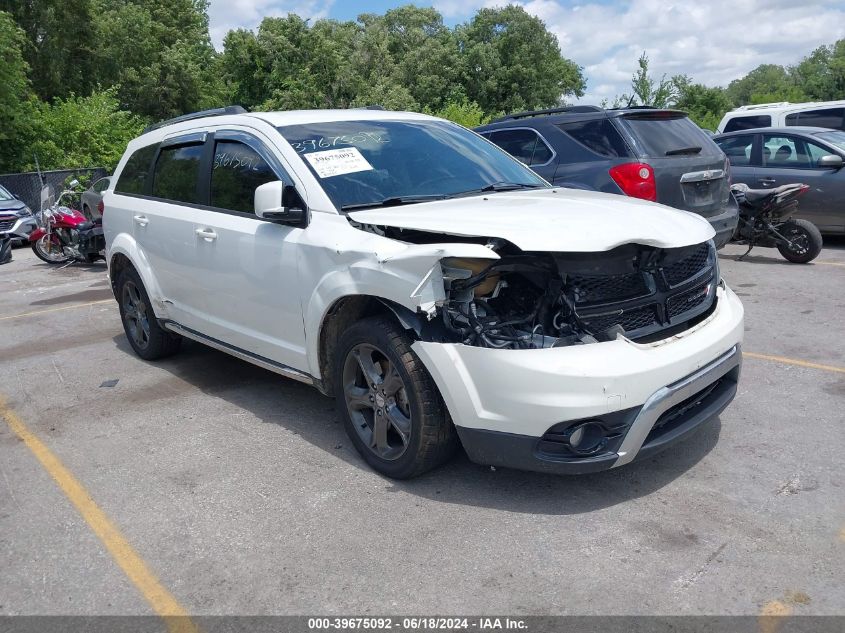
(380, 163)
(5, 195)
(656, 136)
(836, 138)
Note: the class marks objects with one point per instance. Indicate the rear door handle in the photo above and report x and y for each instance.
(207, 234)
(141, 220)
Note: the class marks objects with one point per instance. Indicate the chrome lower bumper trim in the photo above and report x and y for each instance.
(667, 397)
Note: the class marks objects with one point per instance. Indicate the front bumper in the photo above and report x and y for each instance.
(21, 228)
(504, 402)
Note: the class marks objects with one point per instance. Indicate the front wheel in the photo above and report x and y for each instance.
(146, 336)
(805, 241)
(48, 248)
(390, 406)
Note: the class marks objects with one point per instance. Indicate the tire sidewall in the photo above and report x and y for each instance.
(365, 332)
(813, 236)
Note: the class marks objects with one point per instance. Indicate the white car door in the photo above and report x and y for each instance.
(246, 268)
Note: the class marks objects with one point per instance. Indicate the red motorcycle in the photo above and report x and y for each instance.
(65, 234)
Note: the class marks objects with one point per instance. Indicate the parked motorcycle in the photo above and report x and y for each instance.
(65, 234)
(765, 219)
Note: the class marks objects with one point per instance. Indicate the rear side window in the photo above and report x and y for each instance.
(748, 122)
(176, 173)
(833, 118)
(524, 145)
(133, 178)
(655, 136)
(599, 135)
(237, 171)
(737, 148)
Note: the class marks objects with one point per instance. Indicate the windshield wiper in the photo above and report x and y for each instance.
(393, 201)
(497, 186)
(683, 150)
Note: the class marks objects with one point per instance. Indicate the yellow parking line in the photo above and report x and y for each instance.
(772, 615)
(162, 601)
(78, 305)
(831, 263)
(795, 361)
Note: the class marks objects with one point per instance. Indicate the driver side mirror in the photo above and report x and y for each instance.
(831, 161)
(281, 204)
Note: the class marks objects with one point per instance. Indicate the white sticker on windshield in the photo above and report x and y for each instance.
(335, 162)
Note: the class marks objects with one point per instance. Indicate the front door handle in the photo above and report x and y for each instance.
(141, 220)
(767, 181)
(207, 234)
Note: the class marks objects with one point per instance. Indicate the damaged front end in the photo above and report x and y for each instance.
(540, 300)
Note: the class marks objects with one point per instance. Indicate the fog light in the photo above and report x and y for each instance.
(586, 438)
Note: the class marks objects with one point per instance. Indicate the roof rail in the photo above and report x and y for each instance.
(374, 106)
(235, 109)
(561, 110)
(763, 106)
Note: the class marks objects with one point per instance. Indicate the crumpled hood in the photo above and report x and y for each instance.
(556, 220)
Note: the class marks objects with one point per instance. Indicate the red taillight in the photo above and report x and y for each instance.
(101, 208)
(636, 180)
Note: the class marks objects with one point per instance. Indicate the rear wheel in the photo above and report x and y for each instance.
(805, 241)
(48, 248)
(390, 406)
(146, 336)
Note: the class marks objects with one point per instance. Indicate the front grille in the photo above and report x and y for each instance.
(689, 266)
(594, 289)
(667, 289)
(687, 300)
(632, 319)
(6, 225)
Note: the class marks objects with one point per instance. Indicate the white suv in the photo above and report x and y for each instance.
(436, 287)
(829, 114)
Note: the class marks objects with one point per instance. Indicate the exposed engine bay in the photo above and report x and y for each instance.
(539, 300)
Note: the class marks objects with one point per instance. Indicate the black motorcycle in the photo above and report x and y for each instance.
(765, 219)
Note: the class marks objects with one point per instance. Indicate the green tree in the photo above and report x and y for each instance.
(463, 112)
(510, 61)
(765, 84)
(87, 131)
(158, 55)
(821, 75)
(15, 96)
(648, 92)
(61, 44)
(705, 105)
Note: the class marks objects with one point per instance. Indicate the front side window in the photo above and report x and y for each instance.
(379, 163)
(235, 174)
(177, 172)
(748, 122)
(133, 178)
(737, 148)
(101, 185)
(791, 152)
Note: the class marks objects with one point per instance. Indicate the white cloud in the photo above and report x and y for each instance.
(224, 15)
(714, 42)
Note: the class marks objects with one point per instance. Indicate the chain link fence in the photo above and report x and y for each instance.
(27, 186)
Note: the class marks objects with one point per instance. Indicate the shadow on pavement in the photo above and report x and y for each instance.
(304, 411)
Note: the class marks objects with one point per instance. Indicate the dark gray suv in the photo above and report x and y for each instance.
(648, 153)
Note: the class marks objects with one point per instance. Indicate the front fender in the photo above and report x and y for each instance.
(409, 277)
(124, 244)
(37, 234)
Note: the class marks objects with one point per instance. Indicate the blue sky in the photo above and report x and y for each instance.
(714, 42)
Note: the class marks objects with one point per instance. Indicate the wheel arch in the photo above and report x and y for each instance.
(124, 253)
(340, 315)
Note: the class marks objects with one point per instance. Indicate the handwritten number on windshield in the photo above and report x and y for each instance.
(328, 142)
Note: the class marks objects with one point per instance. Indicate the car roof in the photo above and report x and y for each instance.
(276, 119)
(527, 119)
(792, 129)
(782, 106)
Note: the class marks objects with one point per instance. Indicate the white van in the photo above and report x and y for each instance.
(815, 114)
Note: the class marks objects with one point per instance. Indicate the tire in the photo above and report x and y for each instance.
(399, 398)
(807, 238)
(92, 257)
(39, 247)
(86, 211)
(146, 336)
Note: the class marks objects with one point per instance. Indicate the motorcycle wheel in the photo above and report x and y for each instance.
(806, 241)
(49, 251)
